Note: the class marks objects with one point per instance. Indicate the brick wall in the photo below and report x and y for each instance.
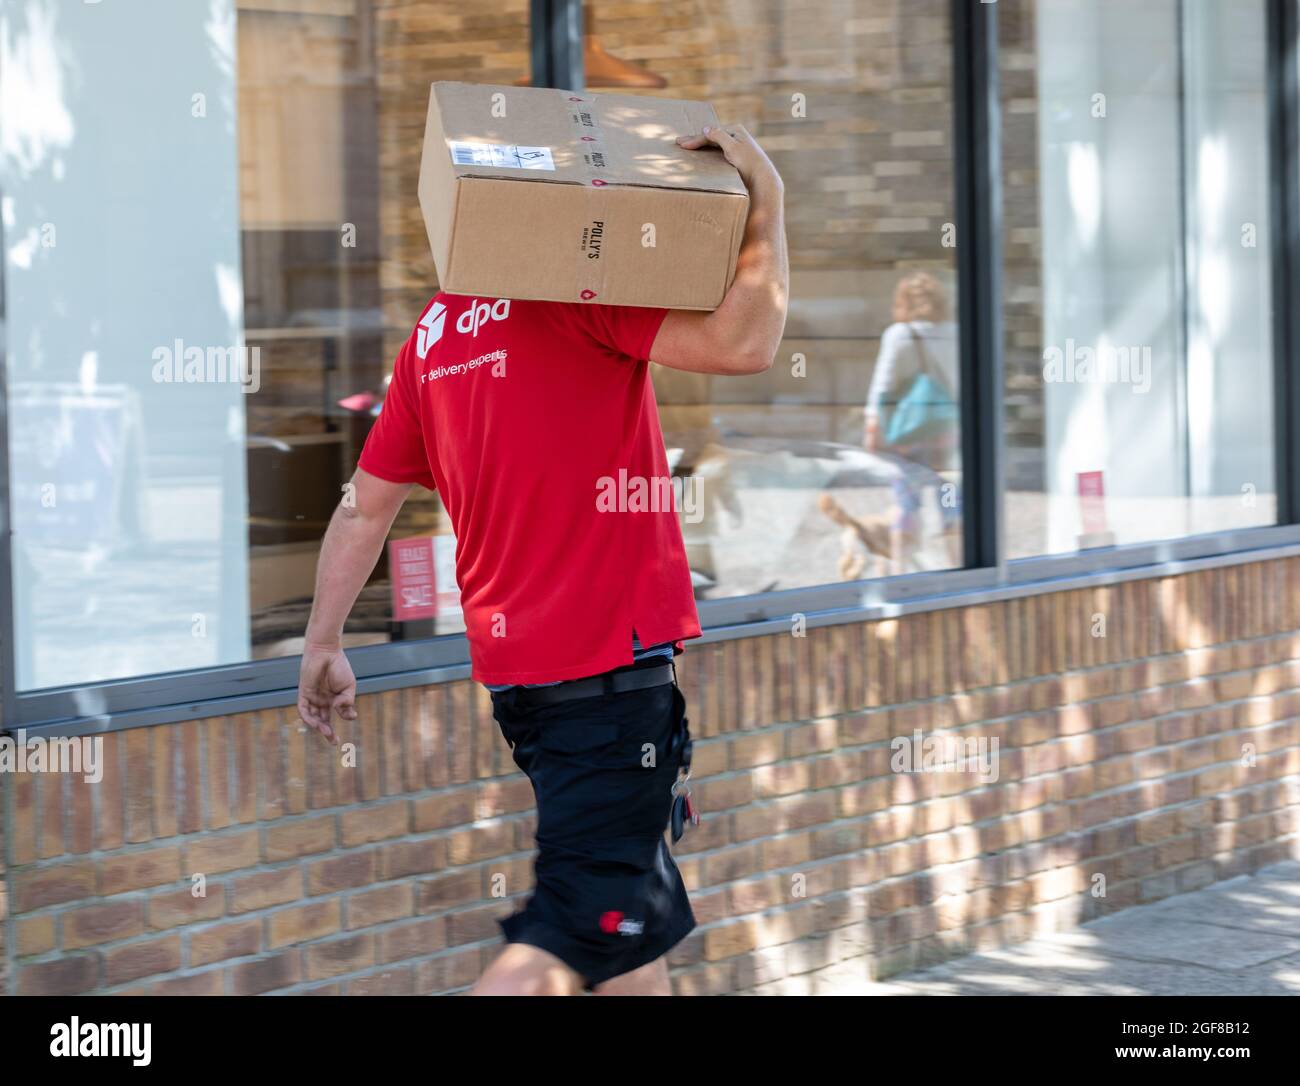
(1163, 756)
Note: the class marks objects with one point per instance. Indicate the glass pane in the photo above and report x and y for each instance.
(853, 104)
(1137, 279)
(332, 99)
(119, 171)
(213, 251)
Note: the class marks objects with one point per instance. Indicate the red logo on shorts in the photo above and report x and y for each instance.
(597, 182)
(614, 923)
(587, 295)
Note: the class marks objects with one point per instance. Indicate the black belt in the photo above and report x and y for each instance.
(611, 682)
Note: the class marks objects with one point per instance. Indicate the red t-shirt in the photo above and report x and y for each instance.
(536, 422)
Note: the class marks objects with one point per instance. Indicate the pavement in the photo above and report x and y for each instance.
(1238, 937)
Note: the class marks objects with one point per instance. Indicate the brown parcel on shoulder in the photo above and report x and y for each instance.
(531, 192)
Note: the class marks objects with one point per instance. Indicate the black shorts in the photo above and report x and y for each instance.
(607, 896)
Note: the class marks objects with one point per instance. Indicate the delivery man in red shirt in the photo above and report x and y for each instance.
(536, 423)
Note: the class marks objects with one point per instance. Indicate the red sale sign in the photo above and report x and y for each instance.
(1092, 501)
(411, 571)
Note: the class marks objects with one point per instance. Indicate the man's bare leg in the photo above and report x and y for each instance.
(521, 969)
(650, 980)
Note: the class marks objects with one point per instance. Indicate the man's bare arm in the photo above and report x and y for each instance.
(742, 335)
(352, 545)
(348, 554)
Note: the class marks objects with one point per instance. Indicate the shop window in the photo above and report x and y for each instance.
(1138, 309)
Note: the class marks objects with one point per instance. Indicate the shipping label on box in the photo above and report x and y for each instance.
(531, 192)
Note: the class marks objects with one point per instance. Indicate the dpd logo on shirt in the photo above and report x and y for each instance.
(479, 313)
(430, 328)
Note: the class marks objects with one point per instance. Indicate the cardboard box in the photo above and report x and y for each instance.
(531, 192)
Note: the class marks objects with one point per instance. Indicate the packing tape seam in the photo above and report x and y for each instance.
(590, 279)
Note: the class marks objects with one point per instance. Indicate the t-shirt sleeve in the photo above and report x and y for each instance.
(394, 448)
(627, 329)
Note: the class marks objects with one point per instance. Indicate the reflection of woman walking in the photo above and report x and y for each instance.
(911, 410)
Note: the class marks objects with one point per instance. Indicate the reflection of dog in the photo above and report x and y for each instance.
(873, 533)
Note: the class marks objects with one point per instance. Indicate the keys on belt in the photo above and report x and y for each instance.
(683, 809)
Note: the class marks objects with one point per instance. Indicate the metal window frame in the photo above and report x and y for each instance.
(556, 30)
(555, 38)
(9, 710)
(1282, 73)
(977, 154)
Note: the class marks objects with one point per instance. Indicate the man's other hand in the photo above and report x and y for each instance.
(326, 685)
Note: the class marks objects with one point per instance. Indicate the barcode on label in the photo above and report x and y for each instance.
(513, 156)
